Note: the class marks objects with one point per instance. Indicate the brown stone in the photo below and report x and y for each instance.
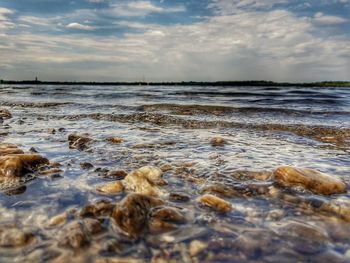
(215, 203)
(312, 180)
(131, 214)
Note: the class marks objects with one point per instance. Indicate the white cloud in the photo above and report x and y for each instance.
(80, 27)
(5, 22)
(322, 19)
(225, 7)
(33, 20)
(142, 8)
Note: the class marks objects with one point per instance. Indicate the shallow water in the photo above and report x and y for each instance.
(264, 127)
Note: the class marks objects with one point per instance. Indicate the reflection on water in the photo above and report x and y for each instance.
(172, 128)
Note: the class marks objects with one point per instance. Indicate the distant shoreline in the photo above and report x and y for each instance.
(183, 83)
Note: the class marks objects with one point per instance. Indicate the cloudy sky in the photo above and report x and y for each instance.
(168, 40)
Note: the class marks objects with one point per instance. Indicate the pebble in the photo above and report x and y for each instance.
(215, 203)
(312, 180)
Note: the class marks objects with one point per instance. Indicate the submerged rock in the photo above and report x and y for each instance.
(131, 214)
(215, 203)
(303, 238)
(145, 181)
(13, 237)
(78, 233)
(79, 142)
(312, 180)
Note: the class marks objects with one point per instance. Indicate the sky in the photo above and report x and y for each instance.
(182, 40)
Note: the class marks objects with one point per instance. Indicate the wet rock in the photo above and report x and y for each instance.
(78, 233)
(131, 214)
(115, 140)
(215, 203)
(13, 166)
(79, 142)
(100, 208)
(9, 150)
(86, 165)
(117, 174)
(5, 114)
(217, 141)
(309, 179)
(111, 188)
(145, 180)
(33, 160)
(178, 197)
(196, 247)
(13, 237)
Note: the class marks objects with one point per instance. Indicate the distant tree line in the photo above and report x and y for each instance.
(186, 83)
